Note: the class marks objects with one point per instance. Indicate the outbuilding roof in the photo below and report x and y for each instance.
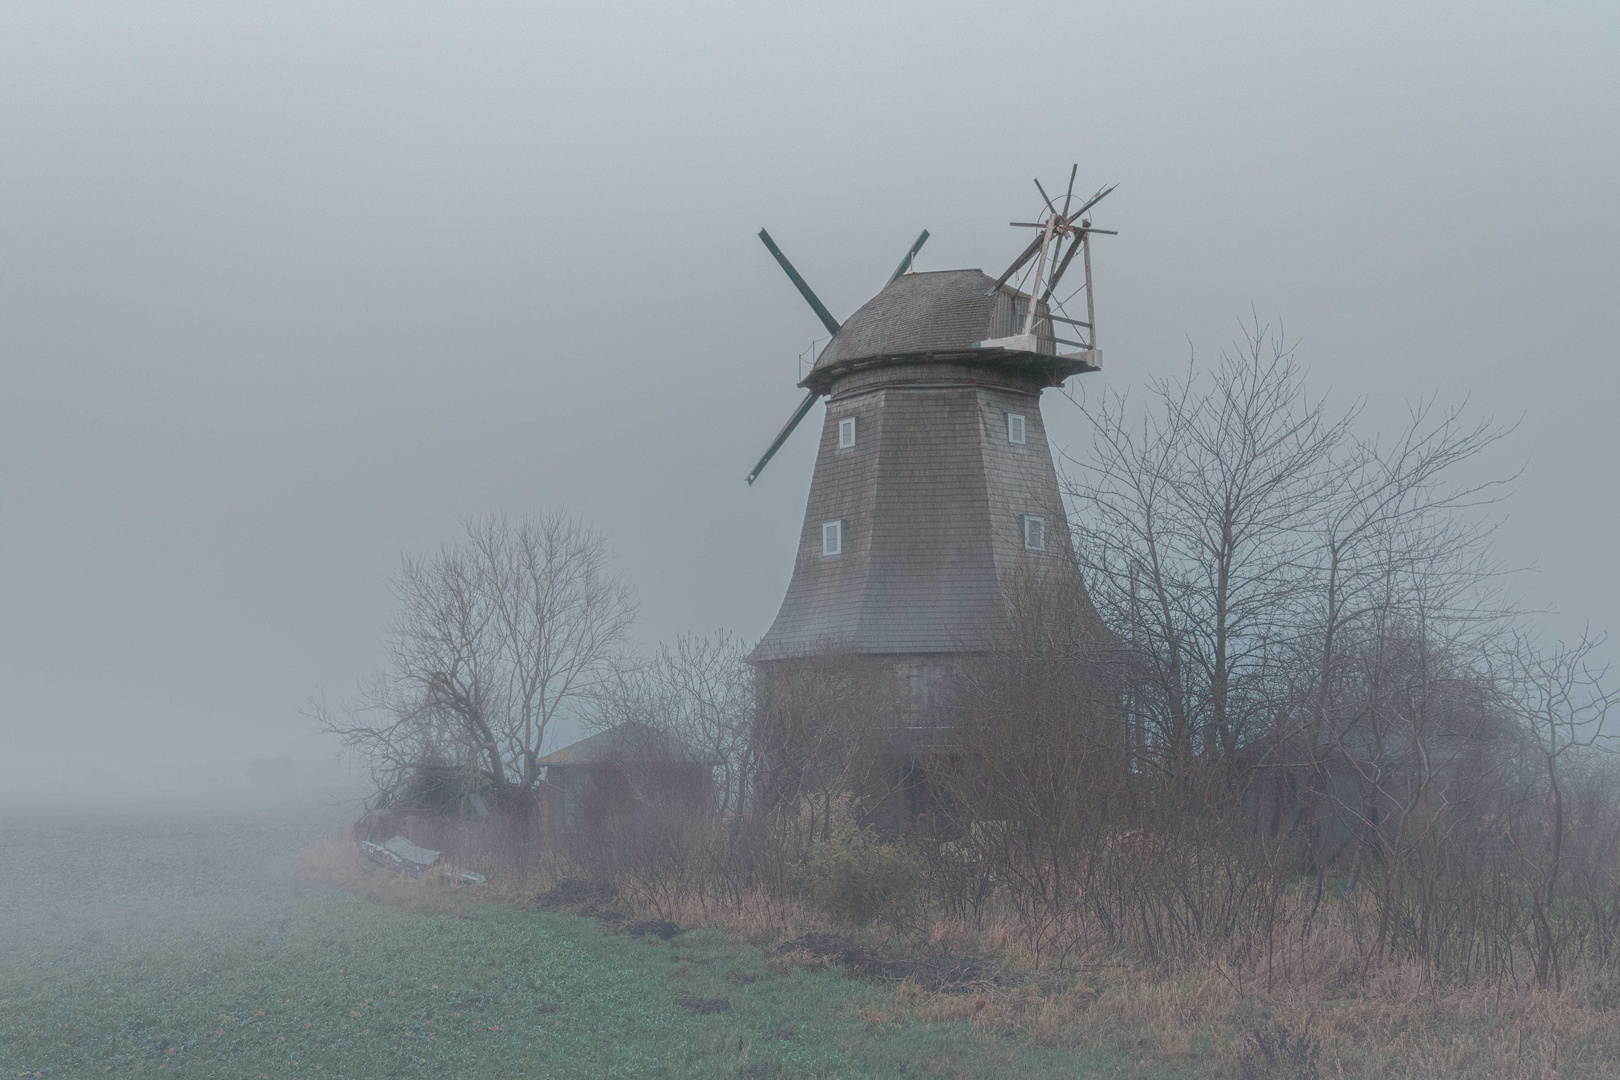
(625, 743)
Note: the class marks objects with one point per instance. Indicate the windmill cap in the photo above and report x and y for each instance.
(935, 315)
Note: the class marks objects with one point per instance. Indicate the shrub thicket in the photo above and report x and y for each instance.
(1278, 671)
(854, 873)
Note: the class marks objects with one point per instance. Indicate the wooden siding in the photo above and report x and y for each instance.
(932, 497)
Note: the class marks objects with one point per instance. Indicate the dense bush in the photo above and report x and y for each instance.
(855, 873)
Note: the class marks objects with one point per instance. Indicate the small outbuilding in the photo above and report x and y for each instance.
(623, 769)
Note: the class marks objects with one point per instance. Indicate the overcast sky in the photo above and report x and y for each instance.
(286, 290)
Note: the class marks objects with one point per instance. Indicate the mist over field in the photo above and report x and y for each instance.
(398, 676)
(289, 291)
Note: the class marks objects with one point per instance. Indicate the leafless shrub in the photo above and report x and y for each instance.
(497, 636)
(1324, 683)
(658, 852)
(821, 727)
(1559, 696)
(1276, 1053)
(1035, 760)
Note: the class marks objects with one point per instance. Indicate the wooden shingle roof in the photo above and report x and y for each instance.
(938, 313)
(625, 743)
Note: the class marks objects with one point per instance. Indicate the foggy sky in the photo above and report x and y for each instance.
(286, 290)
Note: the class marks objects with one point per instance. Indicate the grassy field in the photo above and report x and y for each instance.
(192, 945)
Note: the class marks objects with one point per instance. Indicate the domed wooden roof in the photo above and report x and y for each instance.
(945, 311)
(937, 315)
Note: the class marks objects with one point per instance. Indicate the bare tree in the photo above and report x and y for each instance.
(1561, 697)
(498, 635)
(700, 691)
(1313, 622)
(1194, 517)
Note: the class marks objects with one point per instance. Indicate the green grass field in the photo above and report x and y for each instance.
(189, 945)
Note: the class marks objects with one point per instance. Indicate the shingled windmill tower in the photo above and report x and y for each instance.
(934, 481)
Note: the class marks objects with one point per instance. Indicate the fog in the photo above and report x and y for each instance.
(287, 290)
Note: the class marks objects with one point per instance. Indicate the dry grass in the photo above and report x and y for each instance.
(1399, 1026)
(1396, 1021)
(760, 918)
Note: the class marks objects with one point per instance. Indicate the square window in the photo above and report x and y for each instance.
(1034, 533)
(1015, 427)
(846, 433)
(832, 537)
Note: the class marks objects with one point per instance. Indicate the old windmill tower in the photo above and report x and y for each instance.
(934, 481)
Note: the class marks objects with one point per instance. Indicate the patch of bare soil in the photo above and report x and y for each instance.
(659, 928)
(600, 900)
(703, 1006)
(941, 973)
(579, 895)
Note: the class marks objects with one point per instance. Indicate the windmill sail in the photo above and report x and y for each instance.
(827, 320)
(782, 436)
(804, 288)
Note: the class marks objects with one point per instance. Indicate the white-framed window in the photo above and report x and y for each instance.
(1034, 533)
(832, 537)
(927, 684)
(1015, 427)
(846, 433)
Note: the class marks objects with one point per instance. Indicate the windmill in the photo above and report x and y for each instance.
(934, 482)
